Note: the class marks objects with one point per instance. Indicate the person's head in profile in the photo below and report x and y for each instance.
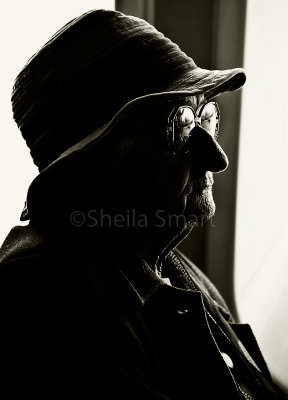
(119, 119)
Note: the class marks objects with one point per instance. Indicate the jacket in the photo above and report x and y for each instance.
(126, 333)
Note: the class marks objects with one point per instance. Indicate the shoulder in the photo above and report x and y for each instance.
(31, 263)
(29, 286)
(22, 270)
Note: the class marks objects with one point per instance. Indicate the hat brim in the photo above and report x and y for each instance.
(199, 81)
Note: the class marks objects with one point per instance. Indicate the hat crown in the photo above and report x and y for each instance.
(85, 73)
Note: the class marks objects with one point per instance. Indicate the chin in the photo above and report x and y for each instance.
(200, 208)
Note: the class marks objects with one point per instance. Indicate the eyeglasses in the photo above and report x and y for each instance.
(183, 120)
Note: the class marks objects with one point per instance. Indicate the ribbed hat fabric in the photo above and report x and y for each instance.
(85, 73)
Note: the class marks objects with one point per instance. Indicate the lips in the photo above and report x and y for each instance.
(198, 185)
(209, 179)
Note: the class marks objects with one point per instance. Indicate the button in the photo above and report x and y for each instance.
(167, 281)
(227, 360)
(182, 311)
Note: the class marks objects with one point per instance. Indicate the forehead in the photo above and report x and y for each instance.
(194, 101)
(156, 114)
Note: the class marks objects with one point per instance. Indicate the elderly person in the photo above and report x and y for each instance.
(96, 301)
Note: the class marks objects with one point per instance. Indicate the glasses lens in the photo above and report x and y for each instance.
(209, 118)
(184, 122)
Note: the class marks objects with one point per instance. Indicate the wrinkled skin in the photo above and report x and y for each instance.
(143, 175)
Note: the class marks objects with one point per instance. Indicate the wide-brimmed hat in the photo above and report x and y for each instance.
(88, 77)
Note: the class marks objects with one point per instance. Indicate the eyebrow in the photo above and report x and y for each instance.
(195, 101)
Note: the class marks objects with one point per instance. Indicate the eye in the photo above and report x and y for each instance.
(181, 123)
(209, 119)
(184, 123)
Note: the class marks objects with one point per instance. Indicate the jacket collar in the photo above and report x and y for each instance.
(130, 269)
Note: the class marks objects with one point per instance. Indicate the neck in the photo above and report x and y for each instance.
(154, 245)
(151, 243)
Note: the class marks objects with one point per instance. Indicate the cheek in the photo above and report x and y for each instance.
(148, 177)
(137, 177)
(178, 173)
(172, 184)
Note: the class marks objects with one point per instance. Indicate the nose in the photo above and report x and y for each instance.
(206, 152)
